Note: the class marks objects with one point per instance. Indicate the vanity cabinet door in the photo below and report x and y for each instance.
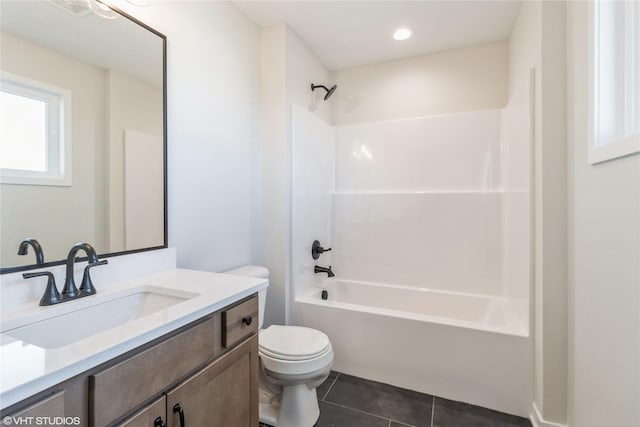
(120, 389)
(47, 412)
(153, 415)
(222, 394)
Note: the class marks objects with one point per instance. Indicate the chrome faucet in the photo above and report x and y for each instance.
(37, 249)
(70, 290)
(318, 269)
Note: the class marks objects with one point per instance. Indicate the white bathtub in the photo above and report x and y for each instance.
(465, 347)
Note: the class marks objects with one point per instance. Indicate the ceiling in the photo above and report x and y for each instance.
(117, 44)
(345, 34)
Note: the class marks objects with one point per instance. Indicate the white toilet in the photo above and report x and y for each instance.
(293, 361)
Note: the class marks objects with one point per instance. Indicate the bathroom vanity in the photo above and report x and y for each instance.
(194, 362)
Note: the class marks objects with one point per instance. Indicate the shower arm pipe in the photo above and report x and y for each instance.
(314, 87)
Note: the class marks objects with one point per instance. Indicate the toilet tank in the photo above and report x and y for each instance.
(258, 272)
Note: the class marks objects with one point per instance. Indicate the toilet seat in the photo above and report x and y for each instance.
(293, 343)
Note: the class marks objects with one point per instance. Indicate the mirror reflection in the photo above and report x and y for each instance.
(82, 140)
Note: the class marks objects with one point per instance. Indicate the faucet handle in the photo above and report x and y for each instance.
(317, 249)
(51, 295)
(86, 287)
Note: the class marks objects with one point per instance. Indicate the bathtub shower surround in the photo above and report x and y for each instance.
(418, 202)
(429, 221)
(312, 182)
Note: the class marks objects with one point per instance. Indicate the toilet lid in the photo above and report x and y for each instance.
(292, 342)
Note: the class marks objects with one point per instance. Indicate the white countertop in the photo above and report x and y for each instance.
(26, 369)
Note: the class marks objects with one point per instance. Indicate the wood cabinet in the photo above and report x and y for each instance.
(45, 412)
(152, 415)
(121, 388)
(208, 369)
(224, 393)
(239, 321)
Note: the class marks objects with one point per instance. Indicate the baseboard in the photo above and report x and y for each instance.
(537, 421)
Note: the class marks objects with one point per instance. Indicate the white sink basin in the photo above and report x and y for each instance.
(92, 315)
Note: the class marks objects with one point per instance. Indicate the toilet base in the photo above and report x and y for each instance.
(269, 406)
(291, 406)
(300, 408)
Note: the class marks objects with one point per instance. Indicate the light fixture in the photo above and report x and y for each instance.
(101, 9)
(402, 34)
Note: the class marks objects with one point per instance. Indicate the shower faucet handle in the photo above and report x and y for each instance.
(317, 249)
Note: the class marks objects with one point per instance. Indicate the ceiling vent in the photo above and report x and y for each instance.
(76, 8)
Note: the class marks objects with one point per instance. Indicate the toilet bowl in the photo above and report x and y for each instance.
(294, 360)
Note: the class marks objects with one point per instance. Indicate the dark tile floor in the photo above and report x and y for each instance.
(347, 401)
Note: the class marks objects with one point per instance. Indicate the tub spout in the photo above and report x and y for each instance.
(318, 269)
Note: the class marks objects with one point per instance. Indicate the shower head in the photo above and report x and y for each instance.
(333, 89)
(329, 91)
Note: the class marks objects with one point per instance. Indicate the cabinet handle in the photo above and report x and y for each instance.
(158, 422)
(177, 408)
(247, 320)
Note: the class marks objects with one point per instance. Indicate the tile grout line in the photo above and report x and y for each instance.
(433, 409)
(331, 386)
(400, 422)
(363, 412)
(391, 420)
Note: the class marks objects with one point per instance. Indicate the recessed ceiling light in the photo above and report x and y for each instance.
(402, 34)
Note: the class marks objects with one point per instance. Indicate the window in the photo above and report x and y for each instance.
(35, 137)
(614, 96)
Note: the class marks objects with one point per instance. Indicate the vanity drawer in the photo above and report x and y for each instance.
(239, 321)
(121, 388)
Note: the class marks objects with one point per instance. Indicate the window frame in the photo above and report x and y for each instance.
(59, 137)
(629, 144)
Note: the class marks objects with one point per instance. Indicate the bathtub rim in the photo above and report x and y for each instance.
(515, 326)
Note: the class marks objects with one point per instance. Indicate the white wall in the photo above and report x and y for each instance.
(303, 69)
(131, 104)
(537, 41)
(604, 262)
(50, 213)
(453, 81)
(551, 215)
(275, 175)
(288, 69)
(213, 68)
